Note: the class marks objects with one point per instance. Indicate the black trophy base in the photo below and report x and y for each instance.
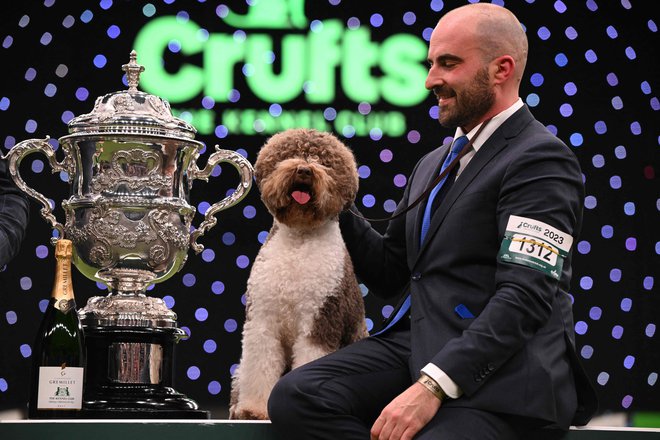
(142, 403)
(130, 375)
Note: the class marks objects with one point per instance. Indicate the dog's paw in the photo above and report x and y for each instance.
(249, 414)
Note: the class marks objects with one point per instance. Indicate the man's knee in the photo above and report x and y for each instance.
(280, 398)
(285, 398)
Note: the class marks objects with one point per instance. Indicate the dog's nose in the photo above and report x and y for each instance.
(304, 171)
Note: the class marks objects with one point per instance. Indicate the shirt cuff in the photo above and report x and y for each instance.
(448, 386)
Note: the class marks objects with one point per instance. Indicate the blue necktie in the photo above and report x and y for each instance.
(456, 148)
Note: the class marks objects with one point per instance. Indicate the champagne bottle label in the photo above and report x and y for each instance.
(65, 305)
(60, 388)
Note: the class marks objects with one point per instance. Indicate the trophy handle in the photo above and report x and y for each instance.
(18, 153)
(246, 172)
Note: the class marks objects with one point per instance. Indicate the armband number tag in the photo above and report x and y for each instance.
(535, 244)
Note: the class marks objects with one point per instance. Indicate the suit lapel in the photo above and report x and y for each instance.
(495, 143)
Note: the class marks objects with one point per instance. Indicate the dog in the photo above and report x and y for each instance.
(303, 300)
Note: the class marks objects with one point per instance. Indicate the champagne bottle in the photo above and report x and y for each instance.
(58, 355)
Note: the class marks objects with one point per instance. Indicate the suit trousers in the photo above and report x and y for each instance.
(340, 396)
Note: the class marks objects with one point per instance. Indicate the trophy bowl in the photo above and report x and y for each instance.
(130, 166)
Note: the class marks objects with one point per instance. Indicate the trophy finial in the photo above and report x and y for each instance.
(133, 70)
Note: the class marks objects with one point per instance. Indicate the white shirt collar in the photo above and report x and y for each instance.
(493, 125)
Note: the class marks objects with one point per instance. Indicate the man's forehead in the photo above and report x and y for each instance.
(445, 42)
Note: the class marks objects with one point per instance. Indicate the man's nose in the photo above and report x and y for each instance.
(433, 79)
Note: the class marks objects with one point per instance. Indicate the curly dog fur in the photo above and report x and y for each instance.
(303, 300)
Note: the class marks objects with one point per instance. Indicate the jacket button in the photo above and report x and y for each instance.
(416, 276)
(491, 367)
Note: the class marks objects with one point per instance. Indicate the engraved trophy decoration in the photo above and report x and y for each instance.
(130, 165)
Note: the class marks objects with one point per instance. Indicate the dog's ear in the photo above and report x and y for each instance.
(263, 162)
(351, 192)
(277, 147)
(258, 176)
(351, 179)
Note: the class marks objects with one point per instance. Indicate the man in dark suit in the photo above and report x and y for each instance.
(14, 210)
(482, 344)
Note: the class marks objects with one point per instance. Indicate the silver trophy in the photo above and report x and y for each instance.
(130, 165)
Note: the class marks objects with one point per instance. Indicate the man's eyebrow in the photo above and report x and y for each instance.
(445, 57)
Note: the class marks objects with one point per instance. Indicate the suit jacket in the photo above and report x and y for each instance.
(516, 355)
(14, 216)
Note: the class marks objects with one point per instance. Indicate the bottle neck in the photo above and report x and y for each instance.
(63, 287)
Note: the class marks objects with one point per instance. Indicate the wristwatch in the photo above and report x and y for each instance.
(432, 386)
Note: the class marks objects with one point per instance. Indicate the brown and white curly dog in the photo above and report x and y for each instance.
(303, 300)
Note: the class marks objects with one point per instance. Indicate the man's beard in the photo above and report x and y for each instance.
(470, 104)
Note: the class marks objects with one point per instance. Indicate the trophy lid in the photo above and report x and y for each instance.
(131, 112)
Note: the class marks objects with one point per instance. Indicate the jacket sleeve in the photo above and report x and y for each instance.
(380, 260)
(14, 214)
(543, 183)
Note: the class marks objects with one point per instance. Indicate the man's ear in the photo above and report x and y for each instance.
(503, 68)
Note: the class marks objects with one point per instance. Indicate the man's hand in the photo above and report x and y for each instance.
(406, 415)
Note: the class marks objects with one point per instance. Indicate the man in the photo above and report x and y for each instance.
(14, 210)
(482, 347)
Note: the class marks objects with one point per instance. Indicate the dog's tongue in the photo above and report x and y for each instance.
(300, 197)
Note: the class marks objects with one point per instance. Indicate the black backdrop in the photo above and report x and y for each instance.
(591, 78)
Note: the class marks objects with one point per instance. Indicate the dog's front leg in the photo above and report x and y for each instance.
(262, 363)
(305, 350)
